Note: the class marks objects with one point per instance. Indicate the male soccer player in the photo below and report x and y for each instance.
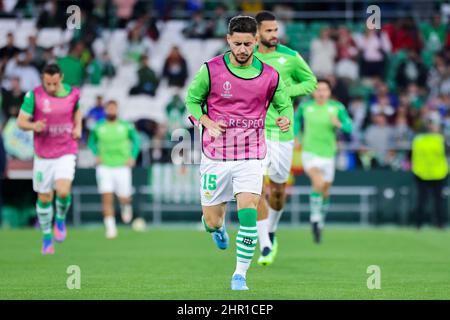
(115, 143)
(299, 81)
(321, 117)
(52, 112)
(230, 96)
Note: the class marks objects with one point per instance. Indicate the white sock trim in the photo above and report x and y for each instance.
(263, 234)
(274, 219)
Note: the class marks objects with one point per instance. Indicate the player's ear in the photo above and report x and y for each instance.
(229, 39)
(62, 77)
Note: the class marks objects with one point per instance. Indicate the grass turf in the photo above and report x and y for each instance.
(168, 263)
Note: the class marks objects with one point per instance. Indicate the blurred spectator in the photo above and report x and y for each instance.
(53, 16)
(147, 80)
(384, 102)
(439, 77)
(220, 22)
(72, 66)
(37, 53)
(339, 89)
(412, 71)
(358, 111)
(403, 34)
(96, 113)
(12, 99)
(197, 27)
(434, 35)
(99, 68)
(21, 68)
(175, 68)
(323, 53)
(175, 111)
(430, 168)
(252, 6)
(347, 55)
(374, 46)
(402, 132)
(138, 45)
(9, 50)
(124, 11)
(379, 139)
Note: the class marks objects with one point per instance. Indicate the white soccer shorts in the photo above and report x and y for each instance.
(114, 180)
(222, 180)
(326, 165)
(278, 161)
(47, 171)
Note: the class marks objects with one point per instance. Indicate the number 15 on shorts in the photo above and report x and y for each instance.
(209, 182)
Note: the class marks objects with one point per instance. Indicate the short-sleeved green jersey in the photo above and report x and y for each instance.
(299, 81)
(319, 133)
(115, 142)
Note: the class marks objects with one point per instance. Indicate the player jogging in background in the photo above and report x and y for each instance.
(299, 81)
(321, 117)
(229, 97)
(115, 143)
(52, 112)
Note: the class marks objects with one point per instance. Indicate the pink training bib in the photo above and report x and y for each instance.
(242, 105)
(56, 140)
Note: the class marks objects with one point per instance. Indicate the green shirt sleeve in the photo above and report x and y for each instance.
(282, 102)
(345, 120)
(135, 141)
(197, 92)
(28, 103)
(92, 141)
(297, 120)
(302, 74)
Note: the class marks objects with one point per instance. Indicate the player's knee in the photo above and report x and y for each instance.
(45, 197)
(63, 193)
(213, 222)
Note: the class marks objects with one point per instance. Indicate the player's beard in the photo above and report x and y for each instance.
(111, 117)
(240, 61)
(269, 43)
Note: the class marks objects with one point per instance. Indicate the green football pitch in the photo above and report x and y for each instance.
(182, 263)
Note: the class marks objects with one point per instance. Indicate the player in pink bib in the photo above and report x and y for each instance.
(52, 112)
(229, 99)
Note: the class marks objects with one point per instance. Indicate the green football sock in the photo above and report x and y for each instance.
(315, 203)
(325, 208)
(62, 206)
(246, 240)
(45, 216)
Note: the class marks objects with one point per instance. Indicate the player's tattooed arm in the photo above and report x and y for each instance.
(25, 122)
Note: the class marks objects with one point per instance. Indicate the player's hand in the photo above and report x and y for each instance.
(131, 162)
(98, 160)
(283, 123)
(215, 129)
(335, 121)
(76, 133)
(39, 126)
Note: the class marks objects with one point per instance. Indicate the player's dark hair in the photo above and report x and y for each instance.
(323, 80)
(265, 16)
(51, 69)
(111, 102)
(242, 24)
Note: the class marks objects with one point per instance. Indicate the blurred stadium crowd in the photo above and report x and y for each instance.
(139, 53)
